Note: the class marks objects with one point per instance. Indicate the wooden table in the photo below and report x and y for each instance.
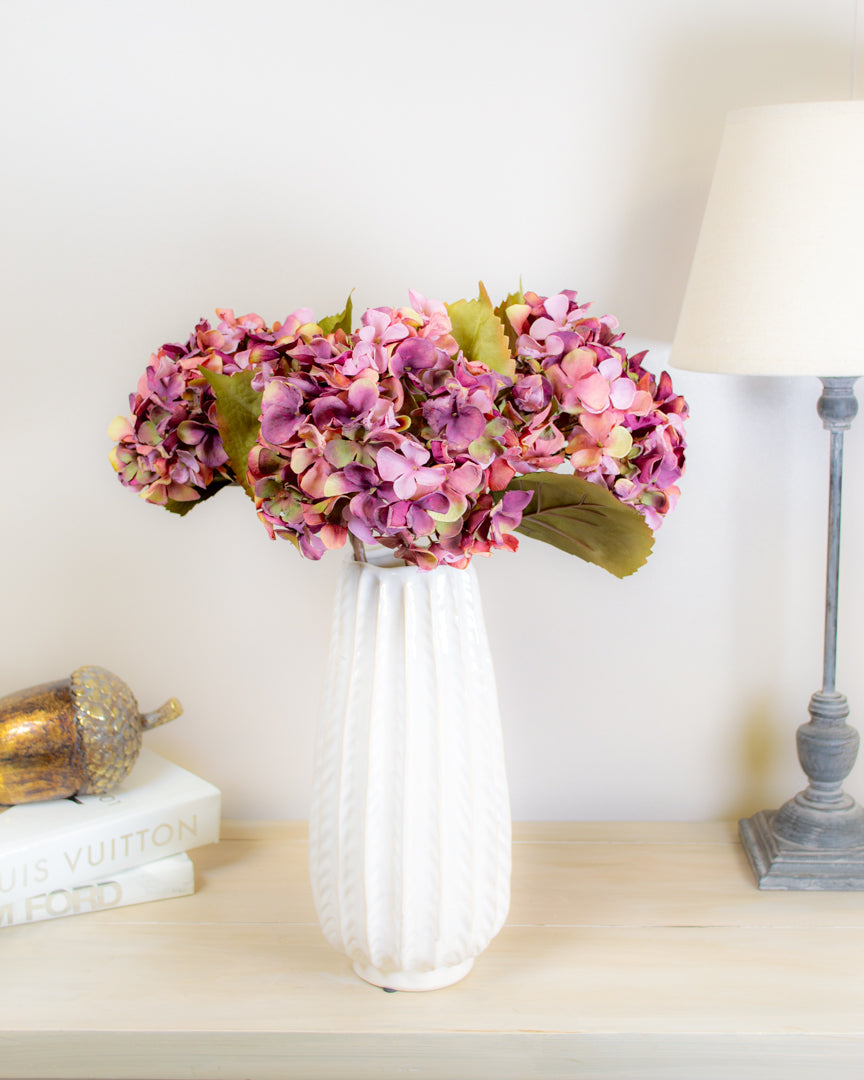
(640, 952)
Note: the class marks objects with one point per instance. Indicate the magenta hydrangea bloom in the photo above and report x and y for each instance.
(169, 448)
(621, 428)
(401, 445)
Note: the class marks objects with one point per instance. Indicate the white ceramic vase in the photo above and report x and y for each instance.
(410, 817)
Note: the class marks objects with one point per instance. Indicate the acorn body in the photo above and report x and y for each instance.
(77, 736)
(40, 753)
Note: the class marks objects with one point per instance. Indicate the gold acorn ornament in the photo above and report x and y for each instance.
(77, 736)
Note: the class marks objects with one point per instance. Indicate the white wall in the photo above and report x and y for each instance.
(162, 158)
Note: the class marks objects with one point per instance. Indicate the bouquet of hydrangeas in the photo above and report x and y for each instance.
(436, 430)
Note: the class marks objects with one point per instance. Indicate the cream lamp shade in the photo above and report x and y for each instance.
(777, 282)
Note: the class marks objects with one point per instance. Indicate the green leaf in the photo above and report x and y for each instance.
(586, 520)
(480, 334)
(501, 312)
(342, 321)
(182, 508)
(238, 412)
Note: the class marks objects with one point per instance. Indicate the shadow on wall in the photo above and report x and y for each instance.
(696, 82)
(762, 739)
(758, 463)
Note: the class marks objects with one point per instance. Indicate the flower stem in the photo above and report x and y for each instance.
(165, 713)
(359, 549)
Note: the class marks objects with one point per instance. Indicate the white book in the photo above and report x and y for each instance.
(160, 880)
(159, 810)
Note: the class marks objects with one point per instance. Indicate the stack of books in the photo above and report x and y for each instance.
(91, 852)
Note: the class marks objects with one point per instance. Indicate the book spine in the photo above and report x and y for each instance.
(109, 846)
(161, 880)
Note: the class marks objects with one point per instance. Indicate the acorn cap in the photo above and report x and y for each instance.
(109, 726)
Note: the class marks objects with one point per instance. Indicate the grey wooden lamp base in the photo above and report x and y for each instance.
(816, 840)
(781, 864)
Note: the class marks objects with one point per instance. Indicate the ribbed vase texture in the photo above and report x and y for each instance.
(410, 816)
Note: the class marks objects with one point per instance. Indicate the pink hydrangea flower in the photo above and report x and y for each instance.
(387, 433)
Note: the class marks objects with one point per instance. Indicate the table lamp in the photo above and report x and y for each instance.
(777, 288)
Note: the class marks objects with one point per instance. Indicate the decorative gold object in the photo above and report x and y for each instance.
(77, 736)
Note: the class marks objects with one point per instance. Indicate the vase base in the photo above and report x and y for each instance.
(414, 980)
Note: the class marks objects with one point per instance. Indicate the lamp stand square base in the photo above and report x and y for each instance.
(778, 864)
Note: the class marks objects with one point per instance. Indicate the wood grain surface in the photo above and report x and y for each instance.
(631, 951)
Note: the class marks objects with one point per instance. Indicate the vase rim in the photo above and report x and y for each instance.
(383, 559)
(380, 558)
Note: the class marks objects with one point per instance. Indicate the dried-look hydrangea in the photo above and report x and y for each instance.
(404, 432)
